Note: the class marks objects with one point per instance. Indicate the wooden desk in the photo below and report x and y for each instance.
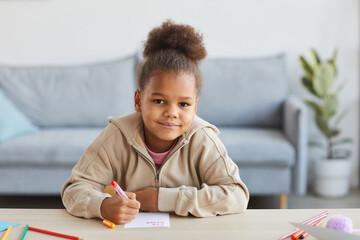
(254, 224)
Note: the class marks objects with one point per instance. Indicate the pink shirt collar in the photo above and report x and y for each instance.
(159, 158)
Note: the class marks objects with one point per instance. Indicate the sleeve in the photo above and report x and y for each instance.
(222, 191)
(82, 194)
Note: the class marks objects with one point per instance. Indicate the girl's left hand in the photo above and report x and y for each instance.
(148, 198)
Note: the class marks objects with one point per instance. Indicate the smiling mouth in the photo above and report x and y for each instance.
(169, 125)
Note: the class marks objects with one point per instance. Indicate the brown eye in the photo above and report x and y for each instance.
(159, 101)
(183, 104)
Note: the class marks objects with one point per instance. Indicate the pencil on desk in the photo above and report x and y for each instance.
(306, 234)
(108, 223)
(302, 234)
(24, 233)
(6, 233)
(54, 233)
(309, 221)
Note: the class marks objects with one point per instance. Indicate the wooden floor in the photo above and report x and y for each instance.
(294, 202)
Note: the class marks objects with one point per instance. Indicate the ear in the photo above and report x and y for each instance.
(196, 103)
(137, 100)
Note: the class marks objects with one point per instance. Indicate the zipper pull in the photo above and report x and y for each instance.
(157, 177)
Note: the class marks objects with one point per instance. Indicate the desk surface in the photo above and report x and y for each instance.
(253, 224)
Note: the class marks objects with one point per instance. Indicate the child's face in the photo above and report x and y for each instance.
(168, 105)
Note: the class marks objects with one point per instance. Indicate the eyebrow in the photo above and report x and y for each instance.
(163, 95)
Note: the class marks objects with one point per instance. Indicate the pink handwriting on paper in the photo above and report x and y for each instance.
(154, 223)
(146, 220)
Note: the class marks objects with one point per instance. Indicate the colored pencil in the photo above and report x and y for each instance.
(6, 233)
(309, 221)
(108, 223)
(24, 233)
(54, 233)
(300, 234)
(317, 224)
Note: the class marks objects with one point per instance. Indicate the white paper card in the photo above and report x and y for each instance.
(149, 220)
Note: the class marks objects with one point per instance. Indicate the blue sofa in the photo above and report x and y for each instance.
(262, 126)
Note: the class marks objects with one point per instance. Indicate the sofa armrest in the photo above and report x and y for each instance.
(295, 128)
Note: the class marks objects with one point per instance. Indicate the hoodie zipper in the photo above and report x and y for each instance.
(157, 177)
(157, 171)
(144, 156)
(166, 160)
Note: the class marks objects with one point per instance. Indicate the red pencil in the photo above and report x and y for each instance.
(54, 233)
(309, 221)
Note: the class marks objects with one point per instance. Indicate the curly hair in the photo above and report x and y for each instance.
(172, 47)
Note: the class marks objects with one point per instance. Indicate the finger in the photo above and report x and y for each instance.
(131, 211)
(133, 204)
(130, 217)
(131, 195)
(127, 210)
(126, 218)
(125, 221)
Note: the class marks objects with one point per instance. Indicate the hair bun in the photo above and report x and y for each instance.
(181, 38)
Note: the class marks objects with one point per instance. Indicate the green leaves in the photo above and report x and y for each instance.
(342, 141)
(316, 107)
(319, 76)
(319, 80)
(316, 144)
(340, 87)
(330, 105)
(323, 125)
(308, 85)
(324, 78)
(315, 57)
(307, 68)
(320, 117)
(333, 61)
(340, 117)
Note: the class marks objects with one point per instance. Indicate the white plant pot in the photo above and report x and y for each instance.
(332, 177)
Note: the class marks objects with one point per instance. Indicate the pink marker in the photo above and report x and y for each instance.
(119, 190)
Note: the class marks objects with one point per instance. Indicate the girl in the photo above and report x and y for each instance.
(163, 155)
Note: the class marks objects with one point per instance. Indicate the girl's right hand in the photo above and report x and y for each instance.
(120, 210)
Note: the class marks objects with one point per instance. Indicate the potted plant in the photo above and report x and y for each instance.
(332, 171)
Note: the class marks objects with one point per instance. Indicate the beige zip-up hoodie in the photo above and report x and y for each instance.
(197, 177)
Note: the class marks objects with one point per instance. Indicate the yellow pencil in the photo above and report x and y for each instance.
(6, 233)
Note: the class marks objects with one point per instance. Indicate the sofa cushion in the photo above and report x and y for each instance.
(258, 147)
(267, 180)
(243, 92)
(50, 147)
(81, 95)
(13, 123)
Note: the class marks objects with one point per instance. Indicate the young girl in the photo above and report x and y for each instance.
(163, 155)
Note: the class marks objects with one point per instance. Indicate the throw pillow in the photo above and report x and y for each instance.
(13, 123)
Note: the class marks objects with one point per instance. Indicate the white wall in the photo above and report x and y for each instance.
(66, 32)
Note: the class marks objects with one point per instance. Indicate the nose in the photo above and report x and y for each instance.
(171, 111)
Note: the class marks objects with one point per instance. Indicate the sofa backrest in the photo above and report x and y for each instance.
(82, 95)
(244, 92)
